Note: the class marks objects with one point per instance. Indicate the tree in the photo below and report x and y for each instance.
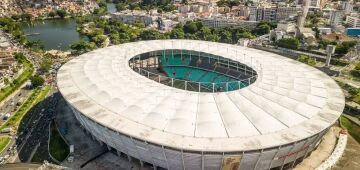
(324, 43)
(229, 3)
(291, 43)
(225, 36)
(205, 34)
(177, 33)
(307, 60)
(34, 44)
(344, 47)
(151, 34)
(82, 47)
(139, 24)
(191, 27)
(26, 16)
(61, 13)
(51, 14)
(37, 80)
(15, 17)
(46, 62)
(317, 32)
(99, 39)
(262, 29)
(115, 38)
(121, 7)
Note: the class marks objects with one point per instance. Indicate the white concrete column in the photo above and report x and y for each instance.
(330, 49)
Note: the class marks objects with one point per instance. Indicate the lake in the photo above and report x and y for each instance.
(56, 34)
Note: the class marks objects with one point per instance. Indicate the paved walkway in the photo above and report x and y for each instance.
(351, 157)
(323, 151)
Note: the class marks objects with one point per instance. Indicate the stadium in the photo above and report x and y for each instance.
(187, 104)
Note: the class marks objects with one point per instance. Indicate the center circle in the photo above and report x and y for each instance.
(193, 70)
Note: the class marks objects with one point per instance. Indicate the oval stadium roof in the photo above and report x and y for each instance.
(289, 101)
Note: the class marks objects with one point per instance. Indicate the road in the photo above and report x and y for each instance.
(13, 103)
(37, 132)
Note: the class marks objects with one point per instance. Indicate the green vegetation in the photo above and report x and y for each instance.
(324, 43)
(46, 62)
(61, 13)
(37, 80)
(354, 93)
(102, 8)
(344, 47)
(13, 27)
(339, 62)
(51, 14)
(35, 45)
(263, 27)
(353, 129)
(82, 47)
(4, 140)
(24, 76)
(291, 43)
(35, 97)
(307, 60)
(119, 32)
(23, 17)
(160, 5)
(57, 146)
(313, 19)
(341, 49)
(228, 3)
(356, 71)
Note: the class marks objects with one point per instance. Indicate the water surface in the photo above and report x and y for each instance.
(56, 34)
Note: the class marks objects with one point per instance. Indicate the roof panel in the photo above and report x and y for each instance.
(289, 101)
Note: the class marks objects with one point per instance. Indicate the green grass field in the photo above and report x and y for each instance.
(353, 129)
(4, 140)
(57, 147)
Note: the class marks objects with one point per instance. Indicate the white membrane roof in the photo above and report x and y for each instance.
(289, 101)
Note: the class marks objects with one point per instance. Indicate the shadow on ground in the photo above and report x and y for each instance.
(33, 131)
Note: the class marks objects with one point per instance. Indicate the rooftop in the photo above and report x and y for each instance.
(289, 101)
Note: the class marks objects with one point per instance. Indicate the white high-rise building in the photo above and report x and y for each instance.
(346, 6)
(353, 22)
(336, 17)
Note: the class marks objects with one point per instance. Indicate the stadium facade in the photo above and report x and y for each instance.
(258, 110)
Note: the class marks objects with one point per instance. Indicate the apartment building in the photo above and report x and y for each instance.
(353, 22)
(215, 22)
(272, 14)
(336, 17)
(133, 16)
